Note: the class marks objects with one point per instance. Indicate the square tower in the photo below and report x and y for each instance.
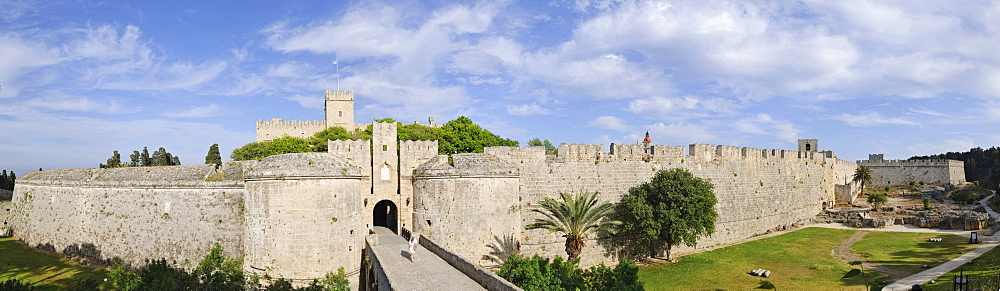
(808, 146)
(340, 109)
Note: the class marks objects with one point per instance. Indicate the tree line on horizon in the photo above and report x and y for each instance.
(7, 180)
(980, 165)
(460, 135)
(159, 157)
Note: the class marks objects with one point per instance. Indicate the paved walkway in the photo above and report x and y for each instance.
(988, 243)
(425, 272)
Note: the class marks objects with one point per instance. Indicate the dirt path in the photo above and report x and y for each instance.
(843, 252)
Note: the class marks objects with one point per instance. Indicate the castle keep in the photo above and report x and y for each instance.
(302, 215)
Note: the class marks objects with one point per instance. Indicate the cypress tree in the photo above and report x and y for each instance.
(213, 157)
(146, 160)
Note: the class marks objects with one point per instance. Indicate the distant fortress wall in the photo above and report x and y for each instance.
(133, 214)
(901, 172)
(277, 127)
(758, 190)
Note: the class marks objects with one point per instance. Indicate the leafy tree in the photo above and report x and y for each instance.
(464, 136)
(319, 140)
(260, 150)
(575, 216)
(217, 272)
(115, 160)
(533, 273)
(136, 162)
(862, 175)
(877, 200)
(675, 207)
(213, 157)
(146, 160)
(549, 148)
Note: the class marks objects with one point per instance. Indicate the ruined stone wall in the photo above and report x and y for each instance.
(277, 127)
(758, 190)
(133, 214)
(902, 172)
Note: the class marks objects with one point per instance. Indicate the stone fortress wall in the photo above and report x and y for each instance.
(133, 214)
(902, 172)
(301, 215)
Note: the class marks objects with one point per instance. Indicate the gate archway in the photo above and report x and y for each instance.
(386, 215)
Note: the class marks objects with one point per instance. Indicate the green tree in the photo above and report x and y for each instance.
(538, 273)
(549, 148)
(146, 160)
(674, 208)
(218, 272)
(319, 141)
(135, 159)
(862, 175)
(575, 216)
(115, 160)
(260, 150)
(213, 157)
(464, 136)
(877, 200)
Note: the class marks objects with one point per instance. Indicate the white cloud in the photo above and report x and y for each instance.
(196, 112)
(609, 122)
(763, 124)
(925, 111)
(61, 101)
(308, 101)
(678, 133)
(870, 118)
(526, 109)
(680, 108)
(607, 76)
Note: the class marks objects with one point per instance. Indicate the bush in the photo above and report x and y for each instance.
(927, 203)
(969, 194)
(15, 285)
(537, 273)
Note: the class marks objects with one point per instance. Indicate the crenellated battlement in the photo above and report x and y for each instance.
(277, 127)
(518, 155)
(282, 122)
(693, 152)
(418, 146)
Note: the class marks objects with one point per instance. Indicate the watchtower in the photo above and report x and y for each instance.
(807, 146)
(340, 109)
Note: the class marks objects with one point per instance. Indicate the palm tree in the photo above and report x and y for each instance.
(862, 175)
(575, 216)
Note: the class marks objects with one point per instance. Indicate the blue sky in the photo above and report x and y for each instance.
(79, 79)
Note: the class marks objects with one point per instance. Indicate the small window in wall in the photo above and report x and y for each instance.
(340, 114)
(808, 147)
(385, 148)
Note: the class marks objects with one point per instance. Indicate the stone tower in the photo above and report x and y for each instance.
(340, 109)
(807, 146)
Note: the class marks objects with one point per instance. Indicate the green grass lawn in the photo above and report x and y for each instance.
(910, 250)
(798, 260)
(44, 271)
(984, 272)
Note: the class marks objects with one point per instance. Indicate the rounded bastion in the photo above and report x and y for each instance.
(302, 216)
(467, 205)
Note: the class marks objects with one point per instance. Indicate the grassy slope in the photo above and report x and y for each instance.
(46, 272)
(910, 251)
(984, 272)
(798, 260)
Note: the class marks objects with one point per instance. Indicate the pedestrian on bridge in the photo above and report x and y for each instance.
(414, 241)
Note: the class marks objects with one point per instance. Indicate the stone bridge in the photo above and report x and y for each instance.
(389, 267)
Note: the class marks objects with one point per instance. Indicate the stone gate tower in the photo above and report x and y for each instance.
(340, 109)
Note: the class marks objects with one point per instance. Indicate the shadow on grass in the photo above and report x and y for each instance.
(851, 274)
(46, 272)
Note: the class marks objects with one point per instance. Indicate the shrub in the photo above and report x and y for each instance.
(537, 273)
(15, 285)
(927, 203)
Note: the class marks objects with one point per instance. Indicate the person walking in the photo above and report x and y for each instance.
(414, 241)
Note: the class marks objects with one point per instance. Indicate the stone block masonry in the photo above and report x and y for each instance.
(133, 214)
(902, 172)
